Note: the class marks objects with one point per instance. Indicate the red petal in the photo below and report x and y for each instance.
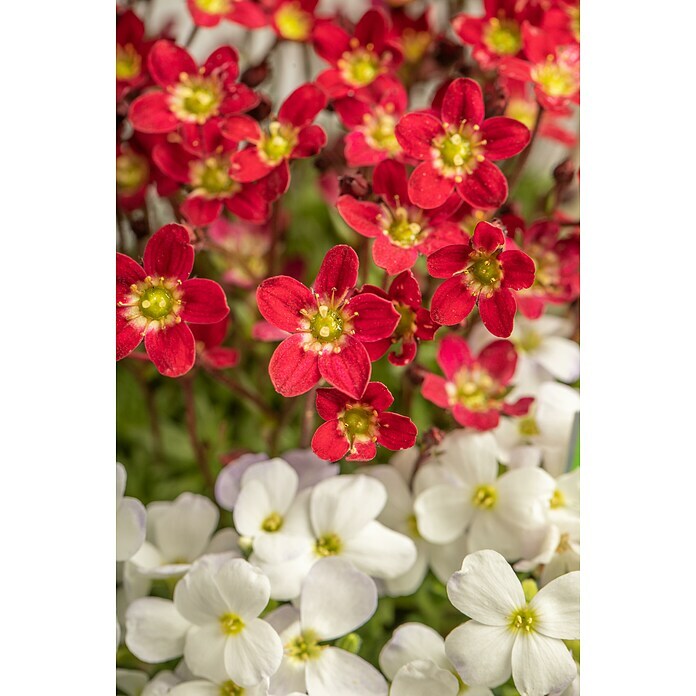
(248, 166)
(221, 358)
(309, 141)
(363, 452)
(293, 370)
(166, 61)
(338, 272)
(405, 289)
(348, 370)
(393, 259)
(445, 262)
(390, 181)
(329, 443)
(128, 272)
(408, 352)
(247, 14)
(498, 312)
(396, 432)
(377, 396)
(499, 359)
(479, 420)
(204, 301)
(201, 211)
(428, 188)
(211, 335)
(376, 318)
(434, 390)
(416, 132)
(250, 204)
(302, 106)
(454, 354)
(150, 113)
(223, 60)
(240, 128)
(377, 349)
(172, 350)
(281, 299)
(452, 302)
(358, 153)
(518, 270)
(331, 402)
(486, 187)
(487, 237)
(463, 101)
(169, 254)
(468, 29)
(505, 137)
(372, 29)
(239, 98)
(520, 407)
(330, 42)
(360, 215)
(173, 161)
(351, 111)
(128, 337)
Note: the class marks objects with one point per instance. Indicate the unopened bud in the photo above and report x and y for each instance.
(255, 75)
(354, 185)
(495, 99)
(530, 588)
(564, 172)
(351, 643)
(263, 109)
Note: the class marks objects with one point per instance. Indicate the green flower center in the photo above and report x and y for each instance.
(293, 22)
(528, 427)
(503, 37)
(272, 523)
(128, 62)
(412, 524)
(231, 624)
(472, 389)
(402, 231)
(279, 143)
(357, 421)
(456, 150)
(487, 271)
(156, 303)
(229, 688)
(196, 98)
(304, 647)
(555, 80)
(407, 322)
(523, 620)
(459, 151)
(132, 172)
(326, 325)
(328, 545)
(212, 175)
(360, 67)
(380, 135)
(214, 7)
(485, 496)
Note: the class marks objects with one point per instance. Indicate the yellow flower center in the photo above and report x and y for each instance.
(304, 647)
(484, 273)
(214, 7)
(132, 172)
(328, 545)
(272, 523)
(412, 524)
(557, 500)
(555, 79)
(196, 98)
(153, 300)
(229, 688)
(563, 543)
(379, 132)
(211, 177)
(360, 67)
(231, 624)
(522, 620)
(407, 322)
(503, 37)
(128, 62)
(474, 389)
(278, 144)
(485, 496)
(358, 421)
(293, 22)
(459, 151)
(527, 427)
(402, 231)
(415, 44)
(529, 341)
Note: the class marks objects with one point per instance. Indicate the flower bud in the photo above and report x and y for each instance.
(256, 74)
(564, 173)
(354, 185)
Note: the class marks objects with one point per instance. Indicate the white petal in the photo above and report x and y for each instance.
(278, 478)
(481, 654)
(430, 475)
(245, 589)
(280, 547)
(290, 678)
(446, 558)
(541, 665)
(489, 530)
(196, 688)
(224, 541)
(560, 564)
(552, 325)
(340, 673)
(228, 481)
(253, 654)
(443, 512)
(286, 577)
(412, 641)
(120, 483)
(336, 598)
(205, 652)
(197, 595)
(558, 607)
(253, 507)
(130, 528)
(184, 530)
(155, 631)
(131, 681)
(282, 618)
(399, 505)
(409, 582)
(161, 684)
(345, 504)
(525, 456)
(380, 552)
(310, 468)
(560, 356)
(423, 677)
(524, 496)
(486, 589)
(473, 457)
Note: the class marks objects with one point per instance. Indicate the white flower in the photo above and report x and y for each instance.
(414, 660)
(335, 518)
(507, 634)
(130, 519)
(507, 513)
(336, 598)
(136, 683)
(178, 533)
(545, 351)
(398, 514)
(203, 687)
(222, 599)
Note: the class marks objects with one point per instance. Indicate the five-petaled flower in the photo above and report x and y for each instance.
(131, 54)
(474, 388)
(209, 13)
(156, 300)
(357, 426)
(328, 325)
(189, 94)
(484, 272)
(456, 149)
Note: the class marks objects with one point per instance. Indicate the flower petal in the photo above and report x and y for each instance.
(128, 272)
(416, 132)
(349, 370)
(428, 188)
(293, 370)
(204, 653)
(302, 106)
(541, 665)
(488, 237)
(281, 300)
(150, 113)
(499, 359)
(362, 216)
(486, 187)
(169, 253)
(172, 349)
(424, 677)
(380, 552)
(452, 302)
(155, 631)
(505, 137)
(204, 301)
(130, 528)
(396, 432)
(558, 607)
(445, 262)
(245, 589)
(254, 654)
(412, 641)
(329, 442)
(340, 673)
(375, 317)
(518, 269)
(278, 478)
(338, 272)
(497, 312)
(454, 353)
(463, 101)
(166, 61)
(443, 513)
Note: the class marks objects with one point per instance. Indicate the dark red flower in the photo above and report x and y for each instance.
(456, 149)
(131, 54)
(474, 388)
(414, 326)
(189, 94)
(294, 20)
(291, 136)
(209, 13)
(157, 301)
(329, 325)
(483, 272)
(357, 60)
(209, 338)
(400, 229)
(357, 426)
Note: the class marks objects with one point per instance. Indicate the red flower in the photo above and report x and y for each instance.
(189, 94)
(555, 251)
(401, 230)
(456, 149)
(474, 388)
(294, 20)
(358, 425)
(480, 272)
(209, 338)
(131, 54)
(209, 13)
(202, 162)
(371, 124)
(291, 136)
(415, 324)
(155, 301)
(328, 325)
(357, 60)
